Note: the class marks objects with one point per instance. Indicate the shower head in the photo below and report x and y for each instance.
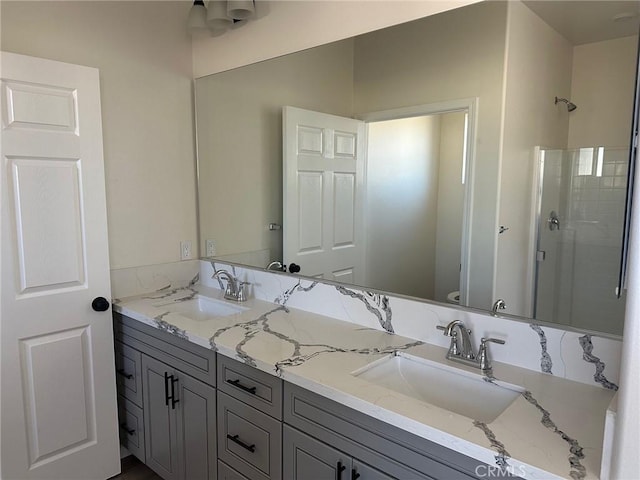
(570, 106)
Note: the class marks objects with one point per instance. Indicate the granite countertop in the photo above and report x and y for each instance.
(554, 428)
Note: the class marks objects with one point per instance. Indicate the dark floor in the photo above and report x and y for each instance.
(134, 469)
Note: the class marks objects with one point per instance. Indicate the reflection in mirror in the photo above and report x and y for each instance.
(483, 232)
(415, 185)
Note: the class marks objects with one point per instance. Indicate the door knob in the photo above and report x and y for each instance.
(293, 268)
(100, 304)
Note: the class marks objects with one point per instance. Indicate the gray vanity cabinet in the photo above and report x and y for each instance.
(254, 426)
(167, 400)
(369, 448)
(306, 457)
(225, 472)
(161, 429)
(180, 423)
(129, 385)
(249, 421)
(362, 471)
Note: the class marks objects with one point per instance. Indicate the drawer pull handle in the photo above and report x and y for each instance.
(235, 439)
(236, 383)
(126, 375)
(166, 389)
(174, 400)
(354, 475)
(339, 469)
(131, 431)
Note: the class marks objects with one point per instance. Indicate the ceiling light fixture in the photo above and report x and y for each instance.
(219, 16)
(197, 20)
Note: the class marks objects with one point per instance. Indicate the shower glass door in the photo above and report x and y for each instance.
(581, 215)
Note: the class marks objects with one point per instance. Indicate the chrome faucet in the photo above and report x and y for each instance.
(277, 266)
(235, 290)
(498, 305)
(461, 348)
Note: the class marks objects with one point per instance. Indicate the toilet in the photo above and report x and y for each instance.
(454, 297)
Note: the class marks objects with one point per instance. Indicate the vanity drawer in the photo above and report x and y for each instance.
(249, 440)
(129, 373)
(258, 389)
(392, 450)
(131, 421)
(225, 472)
(194, 360)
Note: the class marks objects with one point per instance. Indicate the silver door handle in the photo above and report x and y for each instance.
(553, 221)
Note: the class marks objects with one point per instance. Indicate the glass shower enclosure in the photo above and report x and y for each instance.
(580, 203)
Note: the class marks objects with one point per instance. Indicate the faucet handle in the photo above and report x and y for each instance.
(483, 354)
(454, 350)
(242, 291)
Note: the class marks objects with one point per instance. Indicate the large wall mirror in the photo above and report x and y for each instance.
(470, 156)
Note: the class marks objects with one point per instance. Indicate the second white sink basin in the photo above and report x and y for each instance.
(446, 387)
(201, 308)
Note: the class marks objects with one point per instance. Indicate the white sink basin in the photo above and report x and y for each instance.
(201, 308)
(446, 387)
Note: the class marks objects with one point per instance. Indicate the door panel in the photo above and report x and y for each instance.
(49, 225)
(344, 193)
(160, 423)
(305, 457)
(58, 405)
(323, 194)
(197, 427)
(59, 418)
(310, 208)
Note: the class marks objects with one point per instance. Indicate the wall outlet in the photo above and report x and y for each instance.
(211, 248)
(185, 250)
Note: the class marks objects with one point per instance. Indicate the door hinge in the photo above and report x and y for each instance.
(541, 255)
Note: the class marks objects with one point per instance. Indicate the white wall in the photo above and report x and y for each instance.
(289, 26)
(538, 67)
(602, 88)
(402, 205)
(144, 57)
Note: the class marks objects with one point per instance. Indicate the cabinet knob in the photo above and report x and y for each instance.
(100, 304)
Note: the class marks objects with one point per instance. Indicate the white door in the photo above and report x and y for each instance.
(323, 194)
(58, 392)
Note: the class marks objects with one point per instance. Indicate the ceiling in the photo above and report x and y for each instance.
(586, 21)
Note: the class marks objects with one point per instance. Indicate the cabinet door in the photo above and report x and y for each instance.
(160, 426)
(196, 425)
(362, 471)
(305, 457)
